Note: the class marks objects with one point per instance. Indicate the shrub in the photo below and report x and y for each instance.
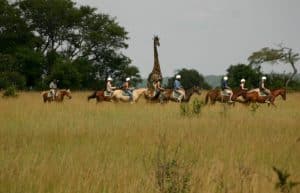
(172, 174)
(10, 92)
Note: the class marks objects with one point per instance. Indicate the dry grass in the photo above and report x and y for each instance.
(83, 147)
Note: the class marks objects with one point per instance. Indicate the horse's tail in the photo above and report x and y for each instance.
(206, 97)
(92, 96)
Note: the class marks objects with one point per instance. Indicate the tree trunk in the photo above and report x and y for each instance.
(293, 74)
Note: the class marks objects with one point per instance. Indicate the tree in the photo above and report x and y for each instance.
(190, 78)
(66, 73)
(251, 74)
(271, 55)
(43, 38)
(16, 48)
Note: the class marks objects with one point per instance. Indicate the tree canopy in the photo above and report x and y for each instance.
(190, 78)
(45, 39)
(276, 55)
(251, 74)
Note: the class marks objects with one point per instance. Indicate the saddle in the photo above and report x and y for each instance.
(49, 95)
(107, 94)
(223, 93)
(124, 93)
(260, 93)
(175, 94)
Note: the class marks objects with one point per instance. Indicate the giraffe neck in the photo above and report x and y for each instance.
(156, 67)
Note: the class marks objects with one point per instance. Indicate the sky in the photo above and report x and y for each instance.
(206, 35)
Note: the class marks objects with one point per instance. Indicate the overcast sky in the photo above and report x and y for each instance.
(207, 35)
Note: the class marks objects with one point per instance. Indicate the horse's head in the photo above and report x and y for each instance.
(239, 92)
(196, 89)
(156, 41)
(67, 93)
(283, 93)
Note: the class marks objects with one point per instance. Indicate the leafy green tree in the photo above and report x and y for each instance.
(278, 81)
(16, 48)
(189, 78)
(52, 20)
(251, 74)
(8, 79)
(273, 56)
(66, 73)
(45, 38)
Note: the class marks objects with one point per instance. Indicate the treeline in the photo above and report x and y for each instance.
(41, 40)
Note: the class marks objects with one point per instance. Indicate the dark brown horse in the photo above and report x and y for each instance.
(167, 95)
(59, 96)
(215, 95)
(254, 97)
(100, 96)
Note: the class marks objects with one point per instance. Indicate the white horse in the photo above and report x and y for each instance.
(118, 95)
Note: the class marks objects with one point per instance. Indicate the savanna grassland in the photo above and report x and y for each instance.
(81, 147)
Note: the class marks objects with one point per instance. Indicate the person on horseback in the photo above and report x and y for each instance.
(127, 89)
(53, 88)
(109, 87)
(242, 85)
(263, 89)
(178, 88)
(157, 88)
(225, 88)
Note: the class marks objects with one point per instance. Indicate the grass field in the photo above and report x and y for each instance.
(81, 147)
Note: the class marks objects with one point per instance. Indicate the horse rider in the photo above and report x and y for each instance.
(242, 85)
(53, 88)
(263, 89)
(225, 88)
(109, 87)
(127, 89)
(157, 87)
(178, 88)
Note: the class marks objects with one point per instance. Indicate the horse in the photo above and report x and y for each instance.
(167, 95)
(100, 96)
(215, 95)
(118, 95)
(149, 95)
(254, 96)
(59, 95)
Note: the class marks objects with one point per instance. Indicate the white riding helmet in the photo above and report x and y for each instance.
(178, 76)
(243, 80)
(263, 78)
(225, 78)
(127, 79)
(109, 79)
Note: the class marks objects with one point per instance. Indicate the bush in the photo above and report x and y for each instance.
(197, 105)
(173, 174)
(10, 92)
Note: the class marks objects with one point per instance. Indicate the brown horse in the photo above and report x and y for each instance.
(215, 95)
(100, 96)
(59, 96)
(167, 95)
(254, 97)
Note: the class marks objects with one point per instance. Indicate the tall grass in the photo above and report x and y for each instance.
(79, 147)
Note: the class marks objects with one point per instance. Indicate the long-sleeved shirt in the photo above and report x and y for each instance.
(262, 85)
(224, 85)
(52, 85)
(109, 87)
(242, 86)
(177, 85)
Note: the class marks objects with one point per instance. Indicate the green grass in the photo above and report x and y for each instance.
(79, 147)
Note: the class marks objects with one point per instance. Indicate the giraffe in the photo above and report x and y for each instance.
(156, 72)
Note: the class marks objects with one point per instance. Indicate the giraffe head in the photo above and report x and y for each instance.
(156, 40)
